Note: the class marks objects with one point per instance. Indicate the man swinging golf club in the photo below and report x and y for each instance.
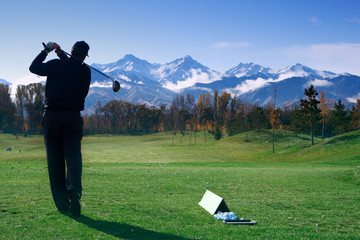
(67, 85)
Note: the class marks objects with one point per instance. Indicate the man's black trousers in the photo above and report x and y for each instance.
(63, 131)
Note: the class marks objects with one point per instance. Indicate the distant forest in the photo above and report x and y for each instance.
(220, 114)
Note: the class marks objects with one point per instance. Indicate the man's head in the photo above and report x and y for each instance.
(80, 50)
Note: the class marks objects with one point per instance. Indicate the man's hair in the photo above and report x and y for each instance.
(80, 49)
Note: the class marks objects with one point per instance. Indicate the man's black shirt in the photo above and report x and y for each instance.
(67, 83)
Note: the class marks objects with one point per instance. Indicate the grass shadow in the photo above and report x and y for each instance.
(344, 138)
(122, 230)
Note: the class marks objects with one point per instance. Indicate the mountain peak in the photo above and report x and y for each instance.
(248, 69)
(186, 59)
(130, 57)
(295, 68)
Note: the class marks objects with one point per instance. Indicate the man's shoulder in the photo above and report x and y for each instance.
(55, 61)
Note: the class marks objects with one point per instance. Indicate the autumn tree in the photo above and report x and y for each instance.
(355, 116)
(224, 101)
(325, 106)
(112, 116)
(216, 104)
(203, 106)
(203, 111)
(309, 106)
(274, 118)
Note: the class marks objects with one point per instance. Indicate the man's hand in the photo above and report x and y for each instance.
(58, 51)
(56, 47)
(48, 47)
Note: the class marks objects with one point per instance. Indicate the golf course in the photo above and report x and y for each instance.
(149, 187)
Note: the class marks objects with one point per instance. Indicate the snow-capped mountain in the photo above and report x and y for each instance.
(248, 69)
(183, 73)
(148, 83)
(299, 70)
(157, 84)
(129, 68)
(290, 83)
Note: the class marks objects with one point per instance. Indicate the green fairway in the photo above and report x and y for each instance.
(148, 187)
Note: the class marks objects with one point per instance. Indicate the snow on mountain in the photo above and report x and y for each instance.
(129, 69)
(299, 70)
(157, 84)
(183, 73)
(248, 69)
(129, 63)
(177, 75)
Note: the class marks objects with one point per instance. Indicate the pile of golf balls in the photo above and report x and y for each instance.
(226, 216)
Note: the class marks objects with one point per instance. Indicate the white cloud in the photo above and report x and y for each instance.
(353, 99)
(247, 86)
(123, 77)
(197, 76)
(318, 83)
(354, 19)
(226, 44)
(107, 84)
(337, 57)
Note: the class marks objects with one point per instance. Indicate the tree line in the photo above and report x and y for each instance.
(219, 114)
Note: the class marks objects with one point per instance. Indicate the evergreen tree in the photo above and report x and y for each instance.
(298, 121)
(340, 117)
(309, 106)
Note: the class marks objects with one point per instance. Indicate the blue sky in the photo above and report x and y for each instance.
(322, 34)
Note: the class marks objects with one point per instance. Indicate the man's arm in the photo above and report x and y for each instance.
(61, 54)
(37, 66)
(40, 68)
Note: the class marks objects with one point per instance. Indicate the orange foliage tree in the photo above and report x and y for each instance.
(325, 106)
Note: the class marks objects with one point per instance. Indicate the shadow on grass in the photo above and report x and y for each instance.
(122, 230)
(343, 138)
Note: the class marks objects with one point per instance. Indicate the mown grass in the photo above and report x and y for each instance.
(148, 187)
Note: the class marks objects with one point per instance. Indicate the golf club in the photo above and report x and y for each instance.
(115, 84)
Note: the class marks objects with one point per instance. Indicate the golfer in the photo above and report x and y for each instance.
(67, 85)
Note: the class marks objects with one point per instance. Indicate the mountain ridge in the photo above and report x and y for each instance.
(157, 84)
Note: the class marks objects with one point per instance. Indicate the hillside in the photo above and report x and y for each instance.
(341, 149)
(167, 148)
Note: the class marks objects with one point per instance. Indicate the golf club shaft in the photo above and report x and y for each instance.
(88, 65)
